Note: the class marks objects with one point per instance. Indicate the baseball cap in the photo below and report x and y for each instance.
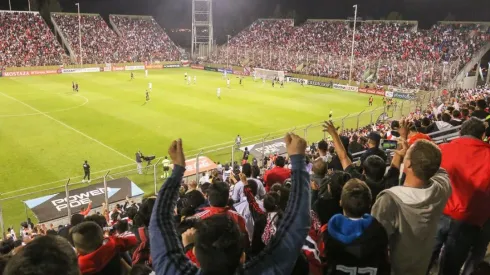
(374, 136)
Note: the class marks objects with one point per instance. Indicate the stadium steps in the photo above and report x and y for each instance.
(114, 27)
(469, 66)
(67, 46)
(300, 66)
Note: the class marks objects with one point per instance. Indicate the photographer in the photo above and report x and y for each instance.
(139, 162)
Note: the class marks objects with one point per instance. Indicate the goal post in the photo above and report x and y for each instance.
(269, 74)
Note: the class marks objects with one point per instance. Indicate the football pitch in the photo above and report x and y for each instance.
(47, 130)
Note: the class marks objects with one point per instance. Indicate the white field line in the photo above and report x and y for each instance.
(67, 126)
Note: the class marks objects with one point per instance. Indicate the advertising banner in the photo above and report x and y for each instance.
(228, 71)
(30, 73)
(80, 70)
(294, 79)
(134, 68)
(154, 66)
(345, 87)
(241, 73)
(401, 95)
(197, 67)
(55, 206)
(319, 84)
(117, 68)
(172, 66)
(270, 147)
(389, 94)
(371, 91)
(205, 164)
(211, 69)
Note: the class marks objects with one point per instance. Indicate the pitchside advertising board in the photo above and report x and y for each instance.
(379, 92)
(30, 73)
(81, 70)
(269, 147)
(345, 87)
(52, 207)
(406, 96)
(172, 65)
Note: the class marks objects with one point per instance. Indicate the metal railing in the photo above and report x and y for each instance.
(11, 202)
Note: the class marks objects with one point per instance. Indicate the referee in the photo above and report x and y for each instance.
(86, 171)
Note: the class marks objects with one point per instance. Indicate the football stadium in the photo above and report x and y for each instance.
(285, 146)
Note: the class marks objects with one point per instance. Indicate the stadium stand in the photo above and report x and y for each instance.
(389, 53)
(144, 39)
(99, 43)
(25, 40)
(395, 214)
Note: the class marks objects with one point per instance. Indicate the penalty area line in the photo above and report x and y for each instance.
(66, 125)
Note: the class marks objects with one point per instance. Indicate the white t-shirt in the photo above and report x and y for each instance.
(228, 82)
(149, 85)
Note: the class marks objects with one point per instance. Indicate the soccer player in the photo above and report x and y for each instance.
(263, 80)
(132, 76)
(185, 76)
(73, 86)
(146, 73)
(273, 83)
(149, 86)
(282, 83)
(330, 115)
(86, 172)
(228, 83)
(189, 80)
(241, 80)
(195, 79)
(76, 87)
(147, 96)
(218, 93)
(224, 74)
(238, 141)
(371, 101)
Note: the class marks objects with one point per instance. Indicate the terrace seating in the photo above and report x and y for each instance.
(25, 40)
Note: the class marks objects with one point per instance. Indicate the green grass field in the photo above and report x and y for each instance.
(47, 131)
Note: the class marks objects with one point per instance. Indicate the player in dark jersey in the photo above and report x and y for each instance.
(76, 87)
(273, 82)
(147, 96)
(241, 80)
(371, 101)
(73, 86)
(282, 84)
(132, 76)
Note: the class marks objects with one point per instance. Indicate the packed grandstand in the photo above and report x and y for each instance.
(343, 205)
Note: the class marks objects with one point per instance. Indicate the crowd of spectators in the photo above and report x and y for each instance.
(315, 210)
(99, 43)
(387, 53)
(144, 39)
(26, 40)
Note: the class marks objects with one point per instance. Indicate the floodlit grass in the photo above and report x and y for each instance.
(47, 131)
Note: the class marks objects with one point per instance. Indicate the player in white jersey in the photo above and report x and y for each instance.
(146, 73)
(195, 79)
(185, 76)
(150, 86)
(228, 82)
(263, 80)
(224, 74)
(218, 93)
(189, 80)
(255, 76)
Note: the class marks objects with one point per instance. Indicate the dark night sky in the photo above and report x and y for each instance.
(230, 16)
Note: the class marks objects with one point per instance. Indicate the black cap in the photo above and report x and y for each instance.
(374, 136)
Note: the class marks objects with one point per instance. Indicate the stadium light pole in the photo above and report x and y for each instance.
(10, 5)
(352, 48)
(80, 33)
(228, 50)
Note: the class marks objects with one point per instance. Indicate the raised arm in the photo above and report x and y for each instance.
(281, 253)
(166, 249)
(337, 143)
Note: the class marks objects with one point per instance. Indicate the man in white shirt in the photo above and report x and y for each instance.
(238, 194)
(228, 82)
(218, 93)
(204, 178)
(150, 86)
